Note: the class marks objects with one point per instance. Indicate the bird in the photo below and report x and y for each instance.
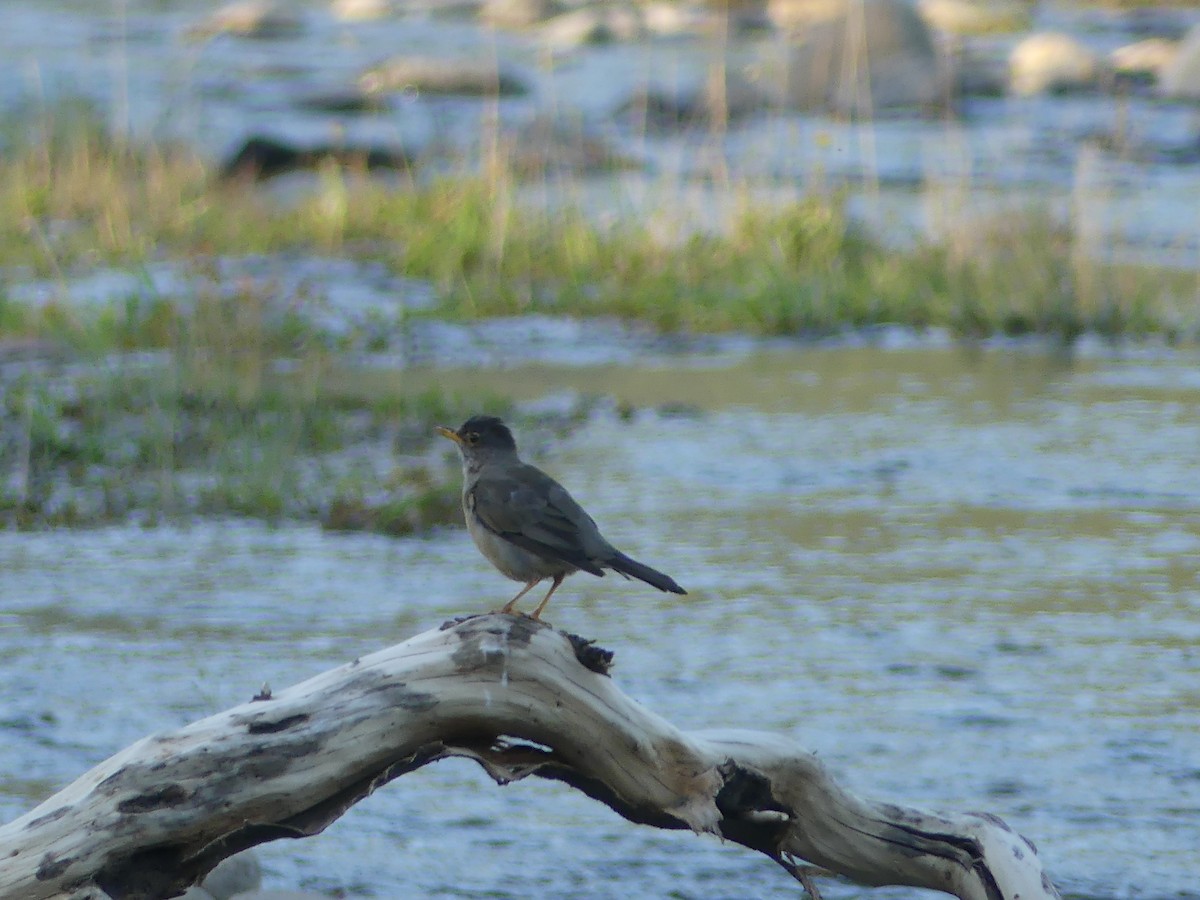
(525, 523)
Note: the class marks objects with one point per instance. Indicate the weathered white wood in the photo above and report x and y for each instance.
(158, 815)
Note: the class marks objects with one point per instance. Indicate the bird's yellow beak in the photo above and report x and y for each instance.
(448, 433)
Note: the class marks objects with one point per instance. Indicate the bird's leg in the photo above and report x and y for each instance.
(508, 607)
(558, 579)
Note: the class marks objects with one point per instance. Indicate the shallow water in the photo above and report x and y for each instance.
(965, 579)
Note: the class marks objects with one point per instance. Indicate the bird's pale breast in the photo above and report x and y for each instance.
(511, 560)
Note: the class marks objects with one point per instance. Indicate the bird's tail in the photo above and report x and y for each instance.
(632, 568)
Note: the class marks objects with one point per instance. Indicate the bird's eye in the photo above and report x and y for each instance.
(472, 437)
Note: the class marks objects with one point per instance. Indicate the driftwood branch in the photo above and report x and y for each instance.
(520, 699)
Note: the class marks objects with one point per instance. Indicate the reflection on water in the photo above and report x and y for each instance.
(966, 582)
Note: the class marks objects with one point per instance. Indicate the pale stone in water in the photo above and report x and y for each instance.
(234, 876)
(517, 13)
(362, 10)
(250, 19)
(881, 58)
(976, 16)
(1053, 62)
(1149, 57)
(593, 25)
(433, 75)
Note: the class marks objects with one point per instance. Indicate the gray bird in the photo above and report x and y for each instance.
(525, 522)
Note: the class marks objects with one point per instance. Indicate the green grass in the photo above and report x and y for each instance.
(249, 409)
(175, 439)
(72, 199)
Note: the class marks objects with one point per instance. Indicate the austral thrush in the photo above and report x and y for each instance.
(526, 523)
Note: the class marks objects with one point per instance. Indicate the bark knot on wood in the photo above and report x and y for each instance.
(51, 867)
(263, 727)
(170, 795)
(750, 814)
(591, 657)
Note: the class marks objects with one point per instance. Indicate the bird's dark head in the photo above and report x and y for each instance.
(481, 435)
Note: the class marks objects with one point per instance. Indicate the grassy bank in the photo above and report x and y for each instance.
(229, 403)
(72, 199)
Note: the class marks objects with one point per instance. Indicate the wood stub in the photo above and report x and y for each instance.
(520, 699)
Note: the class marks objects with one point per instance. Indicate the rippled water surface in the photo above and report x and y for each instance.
(965, 580)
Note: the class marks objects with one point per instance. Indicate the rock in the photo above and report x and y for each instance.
(612, 22)
(196, 893)
(707, 102)
(280, 895)
(668, 19)
(978, 71)
(1144, 61)
(235, 875)
(341, 101)
(433, 75)
(897, 63)
(260, 158)
(561, 146)
(517, 13)
(363, 10)
(746, 18)
(593, 25)
(975, 17)
(1180, 78)
(258, 19)
(1051, 62)
(798, 15)
(663, 19)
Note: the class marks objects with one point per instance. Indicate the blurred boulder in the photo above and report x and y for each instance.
(363, 10)
(668, 19)
(1051, 62)
(258, 19)
(975, 17)
(435, 75)
(612, 22)
(722, 97)
(1180, 78)
(259, 158)
(560, 145)
(797, 15)
(235, 875)
(878, 56)
(517, 13)
(977, 71)
(341, 101)
(593, 25)
(1144, 61)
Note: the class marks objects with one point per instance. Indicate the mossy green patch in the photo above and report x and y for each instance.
(169, 440)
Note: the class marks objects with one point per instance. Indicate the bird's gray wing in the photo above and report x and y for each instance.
(530, 509)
